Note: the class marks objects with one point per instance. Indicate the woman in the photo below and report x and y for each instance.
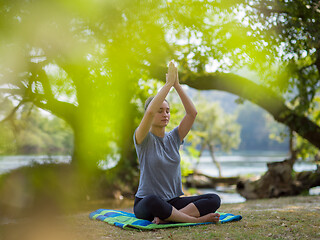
(158, 196)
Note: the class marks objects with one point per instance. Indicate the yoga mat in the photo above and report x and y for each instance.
(128, 220)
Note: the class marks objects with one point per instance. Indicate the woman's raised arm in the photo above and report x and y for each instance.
(155, 104)
(191, 112)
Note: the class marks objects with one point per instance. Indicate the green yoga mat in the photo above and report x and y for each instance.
(128, 220)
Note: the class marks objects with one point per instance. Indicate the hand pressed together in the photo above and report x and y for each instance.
(171, 76)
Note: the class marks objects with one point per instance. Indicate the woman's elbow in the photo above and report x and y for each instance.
(194, 113)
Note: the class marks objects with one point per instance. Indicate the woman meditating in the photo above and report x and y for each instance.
(158, 198)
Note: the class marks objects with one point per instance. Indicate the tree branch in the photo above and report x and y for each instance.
(259, 95)
(14, 110)
(12, 91)
(61, 109)
(317, 62)
(268, 10)
(47, 101)
(262, 96)
(39, 75)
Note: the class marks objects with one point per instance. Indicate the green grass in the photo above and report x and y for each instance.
(283, 218)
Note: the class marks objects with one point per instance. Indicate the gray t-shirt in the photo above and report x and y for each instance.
(160, 172)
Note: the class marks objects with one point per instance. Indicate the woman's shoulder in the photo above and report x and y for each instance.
(173, 133)
(145, 140)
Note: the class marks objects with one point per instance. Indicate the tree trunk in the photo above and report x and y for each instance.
(211, 150)
(276, 182)
(84, 161)
(124, 177)
(293, 151)
(203, 145)
(200, 180)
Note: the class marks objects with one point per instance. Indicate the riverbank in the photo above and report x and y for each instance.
(283, 218)
(245, 164)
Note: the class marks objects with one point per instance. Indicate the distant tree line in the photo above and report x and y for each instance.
(259, 131)
(34, 132)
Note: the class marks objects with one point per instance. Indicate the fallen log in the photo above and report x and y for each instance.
(200, 180)
(279, 181)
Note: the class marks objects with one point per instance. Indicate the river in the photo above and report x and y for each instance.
(252, 164)
(237, 164)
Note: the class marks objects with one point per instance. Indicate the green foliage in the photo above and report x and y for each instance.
(186, 166)
(6, 139)
(259, 131)
(31, 132)
(86, 67)
(216, 128)
(290, 31)
(93, 63)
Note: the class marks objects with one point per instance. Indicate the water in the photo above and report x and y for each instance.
(253, 164)
(240, 165)
(226, 194)
(231, 165)
(8, 163)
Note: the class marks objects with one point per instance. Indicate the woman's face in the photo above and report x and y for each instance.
(162, 117)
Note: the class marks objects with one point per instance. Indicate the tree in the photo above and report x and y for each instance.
(259, 130)
(83, 70)
(30, 132)
(290, 30)
(7, 137)
(89, 67)
(216, 130)
(272, 37)
(258, 94)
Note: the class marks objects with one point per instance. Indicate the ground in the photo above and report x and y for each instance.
(282, 218)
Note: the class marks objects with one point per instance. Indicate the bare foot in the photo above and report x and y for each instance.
(157, 220)
(211, 217)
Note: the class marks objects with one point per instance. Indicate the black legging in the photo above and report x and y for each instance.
(153, 206)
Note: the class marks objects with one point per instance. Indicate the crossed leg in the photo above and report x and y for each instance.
(188, 214)
(193, 209)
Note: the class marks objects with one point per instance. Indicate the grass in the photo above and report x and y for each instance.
(283, 218)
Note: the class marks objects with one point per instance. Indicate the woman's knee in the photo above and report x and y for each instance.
(208, 203)
(158, 207)
(152, 202)
(215, 199)
(144, 208)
